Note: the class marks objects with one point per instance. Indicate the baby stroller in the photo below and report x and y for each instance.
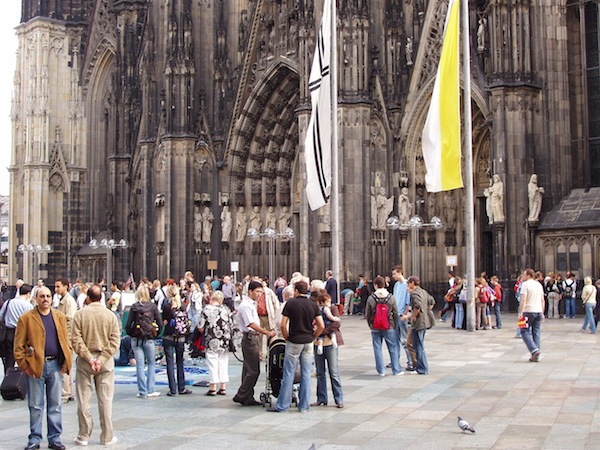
(274, 371)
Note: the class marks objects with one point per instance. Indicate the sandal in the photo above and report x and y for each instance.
(222, 392)
(211, 393)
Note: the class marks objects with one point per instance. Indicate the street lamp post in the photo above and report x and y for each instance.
(271, 234)
(35, 250)
(109, 245)
(414, 225)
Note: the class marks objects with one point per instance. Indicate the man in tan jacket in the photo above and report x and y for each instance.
(68, 306)
(96, 338)
(43, 352)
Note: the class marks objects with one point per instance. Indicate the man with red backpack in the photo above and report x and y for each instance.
(497, 301)
(382, 314)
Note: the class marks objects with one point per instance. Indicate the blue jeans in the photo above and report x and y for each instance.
(391, 341)
(47, 388)
(144, 349)
(589, 317)
(402, 333)
(498, 314)
(570, 307)
(172, 349)
(418, 338)
(531, 334)
(459, 315)
(330, 355)
(295, 353)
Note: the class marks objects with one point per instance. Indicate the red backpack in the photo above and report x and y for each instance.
(381, 318)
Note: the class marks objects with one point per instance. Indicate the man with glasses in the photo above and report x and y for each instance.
(42, 350)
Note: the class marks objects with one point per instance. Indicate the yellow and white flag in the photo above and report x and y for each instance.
(441, 135)
(318, 134)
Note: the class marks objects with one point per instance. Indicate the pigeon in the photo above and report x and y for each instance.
(464, 425)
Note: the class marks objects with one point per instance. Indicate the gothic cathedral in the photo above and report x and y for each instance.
(177, 125)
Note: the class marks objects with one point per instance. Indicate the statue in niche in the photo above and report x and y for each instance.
(271, 218)
(256, 219)
(535, 194)
(497, 199)
(404, 206)
(197, 224)
(481, 34)
(226, 224)
(420, 203)
(241, 225)
(450, 210)
(431, 206)
(409, 51)
(420, 172)
(285, 218)
(207, 224)
(488, 204)
(383, 208)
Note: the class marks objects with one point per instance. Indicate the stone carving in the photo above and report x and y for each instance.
(481, 34)
(159, 200)
(535, 194)
(381, 207)
(431, 206)
(197, 225)
(404, 206)
(420, 202)
(226, 224)
(207, 224)
(488, 204)
(271, 218)
(285, 218)
(256, 219)
(409, 51)
(241, 225)
(450, 210)
(497, 199)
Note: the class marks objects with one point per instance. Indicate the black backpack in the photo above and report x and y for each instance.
(143, 326)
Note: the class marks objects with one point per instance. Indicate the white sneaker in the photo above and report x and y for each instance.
(81, 442)
(154, 394)
(140, 395)
(114, 440)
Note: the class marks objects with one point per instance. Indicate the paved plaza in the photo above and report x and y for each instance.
(483, 376)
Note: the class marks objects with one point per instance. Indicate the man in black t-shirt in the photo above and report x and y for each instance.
(299, 313)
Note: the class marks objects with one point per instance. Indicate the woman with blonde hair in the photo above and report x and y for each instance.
(588, 296)
(143, 326)
(216, 322)
(176, 321)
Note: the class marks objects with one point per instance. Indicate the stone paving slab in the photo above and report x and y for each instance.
(484, 376)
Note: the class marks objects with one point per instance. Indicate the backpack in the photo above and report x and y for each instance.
(381, 318)
(569, 289)
(180, 323)
(144, 326)
(484, 295)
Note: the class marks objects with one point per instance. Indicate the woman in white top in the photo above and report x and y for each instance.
(588, 297)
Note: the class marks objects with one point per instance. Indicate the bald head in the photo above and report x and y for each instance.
(94, 293)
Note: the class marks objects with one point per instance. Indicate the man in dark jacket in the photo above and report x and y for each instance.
(421, 303)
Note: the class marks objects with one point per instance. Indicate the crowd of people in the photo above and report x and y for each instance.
(43, 330)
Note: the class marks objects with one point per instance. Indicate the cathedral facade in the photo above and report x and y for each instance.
(177, 125)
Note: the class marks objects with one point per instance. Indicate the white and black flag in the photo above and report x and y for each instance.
(318, 133)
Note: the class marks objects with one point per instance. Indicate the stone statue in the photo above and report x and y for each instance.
(404, 206)
(450, 210)
(256, 219)
(226, 224)
(481, 35)
(197, 225)
(207, 224)
(488, 204)
(497, 199)
(420, 202)
(241, 225)
(535, 194)
(285, 218)
(271, 218)
(383, 208)
(409, 51)
(431, 206)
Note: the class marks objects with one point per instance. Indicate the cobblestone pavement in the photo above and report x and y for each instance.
(483, 376)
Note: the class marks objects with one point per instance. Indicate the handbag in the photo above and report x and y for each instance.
(523, 323)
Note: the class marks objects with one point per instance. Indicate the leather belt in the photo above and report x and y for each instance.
(50, 358)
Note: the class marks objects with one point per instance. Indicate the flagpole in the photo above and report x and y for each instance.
(469, 197)
(335, 216)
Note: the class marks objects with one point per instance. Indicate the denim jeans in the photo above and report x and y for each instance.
(48, 389)
(144, 349)
(329, 356)
(459, 316)
(570, 307)
(531, 334)
(295, 353)
(589, 317)
(172, 349)
(391, 341)
(401, 334)
(498, 314)
(418, 337)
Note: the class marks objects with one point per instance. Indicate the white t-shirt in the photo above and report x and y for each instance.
(533, 293)
(247, 314)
